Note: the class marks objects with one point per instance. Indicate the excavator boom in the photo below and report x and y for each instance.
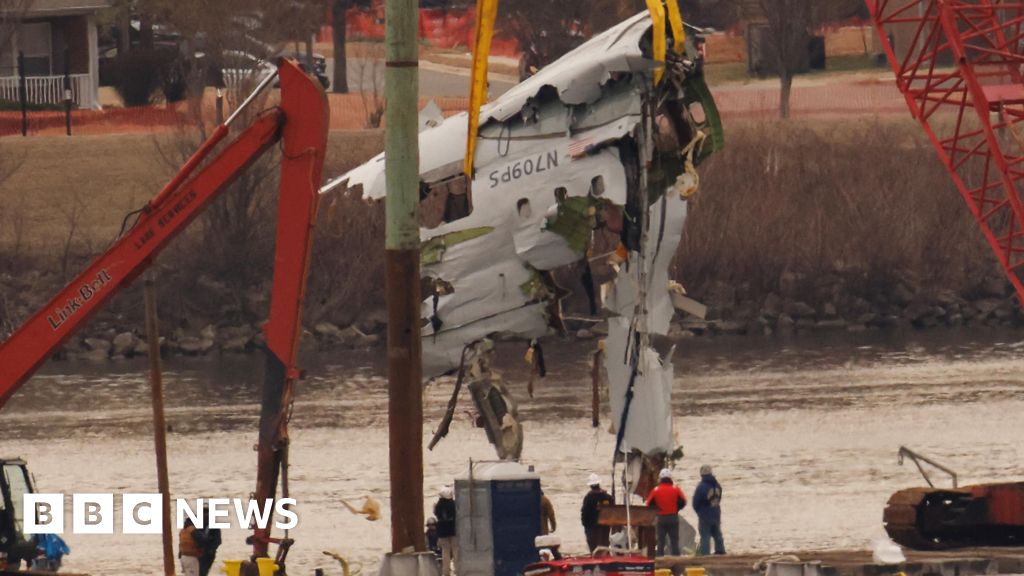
(33, 343)
(300, 124)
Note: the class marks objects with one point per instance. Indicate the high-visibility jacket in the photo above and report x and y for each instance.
(667, 498)
(187, 545)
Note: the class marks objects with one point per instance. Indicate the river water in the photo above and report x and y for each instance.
(802, 434)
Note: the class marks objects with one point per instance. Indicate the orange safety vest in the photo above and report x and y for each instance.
(187, 545)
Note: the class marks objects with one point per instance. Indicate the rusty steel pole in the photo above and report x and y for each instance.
(595, 385)
(159, 423)
(405, 370)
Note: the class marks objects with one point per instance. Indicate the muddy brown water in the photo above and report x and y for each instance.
(802, 433)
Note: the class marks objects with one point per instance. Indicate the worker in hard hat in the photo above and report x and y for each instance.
(444, 511)
(668, 500)
(596, 498)
(707, 499)
(431, 537)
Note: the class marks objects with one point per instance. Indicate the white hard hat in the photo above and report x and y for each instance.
(705, 470)
(594, 480)
(446, 492)
(665, 474)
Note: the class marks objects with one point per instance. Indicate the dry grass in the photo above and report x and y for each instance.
(868, 196)
(112, 174)
(90, 183)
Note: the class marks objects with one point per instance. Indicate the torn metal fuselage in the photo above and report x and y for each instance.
(589, 139)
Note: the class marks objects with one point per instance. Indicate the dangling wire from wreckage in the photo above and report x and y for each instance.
(638, 335)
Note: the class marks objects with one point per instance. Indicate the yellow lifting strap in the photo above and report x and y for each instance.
(675, 19)
(657, 10)
(486, 13)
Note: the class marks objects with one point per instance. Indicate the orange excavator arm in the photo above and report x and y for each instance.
(300, 123)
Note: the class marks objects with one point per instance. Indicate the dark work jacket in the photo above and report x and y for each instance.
(592, 502)
(707, 499)
(208, 540)
(444, 511)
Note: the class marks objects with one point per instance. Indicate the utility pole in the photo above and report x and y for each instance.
(159, 423)
(22, 93)
(402, 243)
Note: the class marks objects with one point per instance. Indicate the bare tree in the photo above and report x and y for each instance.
(719, 14)
(13, 218)
(550, 29)
(339, 20)
(72, 213)
(790, 25)
(546, 30)
(13, 225)
(235, 233)
(369, 75)
(13, 221)
(294, 21)
(11, 14)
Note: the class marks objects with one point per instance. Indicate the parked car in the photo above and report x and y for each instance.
(317, 67)
(166, 51)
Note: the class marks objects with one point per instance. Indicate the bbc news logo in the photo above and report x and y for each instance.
(143, 513)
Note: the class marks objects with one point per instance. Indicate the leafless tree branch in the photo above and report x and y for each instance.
(11, 14)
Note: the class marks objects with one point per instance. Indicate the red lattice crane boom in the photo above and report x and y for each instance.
(958, 64)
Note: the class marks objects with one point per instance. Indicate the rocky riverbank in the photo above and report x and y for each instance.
(847, 299)
(841, 300)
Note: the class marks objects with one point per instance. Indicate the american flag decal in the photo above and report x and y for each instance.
(580, 148)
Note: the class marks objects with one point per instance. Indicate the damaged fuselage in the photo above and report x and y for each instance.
(592, 141)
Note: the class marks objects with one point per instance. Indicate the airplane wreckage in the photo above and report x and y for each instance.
(605, 138)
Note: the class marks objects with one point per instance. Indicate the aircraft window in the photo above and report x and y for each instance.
(445, 201)
(597, 186)
(697, 111)
(523, 206)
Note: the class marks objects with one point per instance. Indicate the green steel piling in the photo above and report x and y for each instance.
(403, 275)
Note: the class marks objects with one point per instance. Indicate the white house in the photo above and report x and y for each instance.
(47, 29)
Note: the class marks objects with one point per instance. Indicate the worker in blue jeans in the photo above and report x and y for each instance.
(707, 500)
(667, 499)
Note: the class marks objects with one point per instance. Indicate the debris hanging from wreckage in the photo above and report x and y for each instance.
(559, 154)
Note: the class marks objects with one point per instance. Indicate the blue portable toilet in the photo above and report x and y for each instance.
(497, 518)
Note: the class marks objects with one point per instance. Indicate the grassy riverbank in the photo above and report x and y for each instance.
(828, 223)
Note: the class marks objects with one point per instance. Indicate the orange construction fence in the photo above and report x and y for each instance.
(354, 111)
(348, 112)
(441, 28)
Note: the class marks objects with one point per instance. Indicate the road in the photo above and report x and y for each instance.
(436, 80)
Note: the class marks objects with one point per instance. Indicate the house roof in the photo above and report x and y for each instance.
(64, 7)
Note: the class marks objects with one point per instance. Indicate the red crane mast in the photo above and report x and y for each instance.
(958, 64)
